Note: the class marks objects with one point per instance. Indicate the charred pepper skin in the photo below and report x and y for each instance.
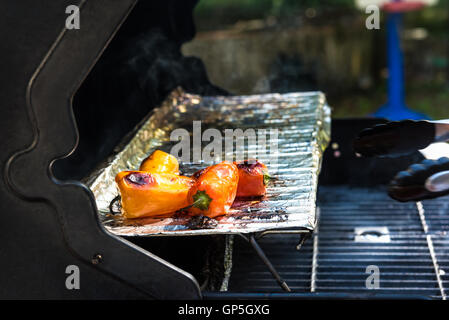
(253, 178)
(214, 190)
(145, 194)
(160, 162)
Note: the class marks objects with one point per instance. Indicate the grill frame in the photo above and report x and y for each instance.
(53, 224)
(50, 214)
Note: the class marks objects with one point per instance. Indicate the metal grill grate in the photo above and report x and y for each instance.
(358, 227)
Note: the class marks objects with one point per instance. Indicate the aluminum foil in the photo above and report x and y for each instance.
(302, 121)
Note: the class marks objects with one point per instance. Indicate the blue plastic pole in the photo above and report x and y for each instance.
(395, 108)
(395, 72)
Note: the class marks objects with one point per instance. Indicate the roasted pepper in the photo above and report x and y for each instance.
(160, 162)
(214, 190)
(146, 194)
(253, 178)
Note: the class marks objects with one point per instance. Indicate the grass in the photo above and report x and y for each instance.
(430, 99)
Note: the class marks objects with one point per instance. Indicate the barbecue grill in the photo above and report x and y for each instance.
(50, 223)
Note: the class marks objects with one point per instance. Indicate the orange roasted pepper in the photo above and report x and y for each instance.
(214, 190)
(145, 194)
(253, 178)
(160, 162)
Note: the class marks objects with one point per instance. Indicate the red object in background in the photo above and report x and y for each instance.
(402, 6)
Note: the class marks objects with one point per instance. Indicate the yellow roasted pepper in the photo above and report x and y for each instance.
(145, 194)
(160, 162)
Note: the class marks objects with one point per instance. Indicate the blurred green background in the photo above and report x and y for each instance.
(259, 46)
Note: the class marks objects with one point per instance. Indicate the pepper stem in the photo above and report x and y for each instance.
(266, 179)
(201, 200)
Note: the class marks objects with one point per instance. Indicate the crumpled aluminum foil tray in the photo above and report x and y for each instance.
(302, 121)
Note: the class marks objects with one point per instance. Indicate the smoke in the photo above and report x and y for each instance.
(142, 65)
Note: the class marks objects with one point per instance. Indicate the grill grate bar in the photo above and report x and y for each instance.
(347, 273)
(422, 217)
(436, 267)
(285, 267)
(292, 280)
(315, 255)
(383, 289)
